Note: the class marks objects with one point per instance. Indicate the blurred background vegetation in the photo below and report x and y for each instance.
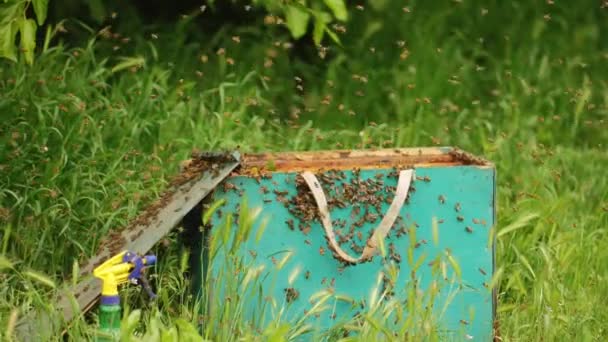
(99, 100)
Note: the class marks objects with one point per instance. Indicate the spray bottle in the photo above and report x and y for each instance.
(122, 268)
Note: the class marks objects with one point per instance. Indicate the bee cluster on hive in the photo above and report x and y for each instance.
(365, 197)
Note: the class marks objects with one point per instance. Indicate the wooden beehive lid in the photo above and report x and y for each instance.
(362, 159)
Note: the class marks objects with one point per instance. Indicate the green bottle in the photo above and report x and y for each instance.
(109, 319)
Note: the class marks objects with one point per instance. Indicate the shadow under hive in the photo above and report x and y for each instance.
(450, 187)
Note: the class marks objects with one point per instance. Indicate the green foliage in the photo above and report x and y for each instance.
(297, 20)
(179, 330)
(9, 27)
(297, 17)
(13, 23)
(299, 14)
(27, 29)
(41, 8)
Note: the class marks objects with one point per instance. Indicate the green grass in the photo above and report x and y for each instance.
(84, 148)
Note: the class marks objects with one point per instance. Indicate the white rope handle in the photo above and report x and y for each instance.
(381, 231)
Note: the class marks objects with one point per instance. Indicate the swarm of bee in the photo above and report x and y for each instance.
(364, 197)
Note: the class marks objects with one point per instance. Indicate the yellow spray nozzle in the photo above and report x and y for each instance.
(121, 268)
(113, 272)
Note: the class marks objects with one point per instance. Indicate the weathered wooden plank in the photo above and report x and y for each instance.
(195, 183)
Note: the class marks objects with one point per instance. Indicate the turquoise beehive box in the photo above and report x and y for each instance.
(406, 223)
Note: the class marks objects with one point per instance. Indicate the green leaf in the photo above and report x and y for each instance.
(169, 335)
(435, 230)
(455, 265)
(321, 20)
(129, 62)
(7, 40)
(5, 262)
(9, 26)
(10, 13)
(75, 273)
(153, 332)
(261, 229)
(47, 38)
(129, 324)
(212, 209)
(40, 8)
(277, 333)
(334, 37)
(27, 29)
(40, 278)
(338, 8)
(187, 332)
(297, 21)
(519, 223)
